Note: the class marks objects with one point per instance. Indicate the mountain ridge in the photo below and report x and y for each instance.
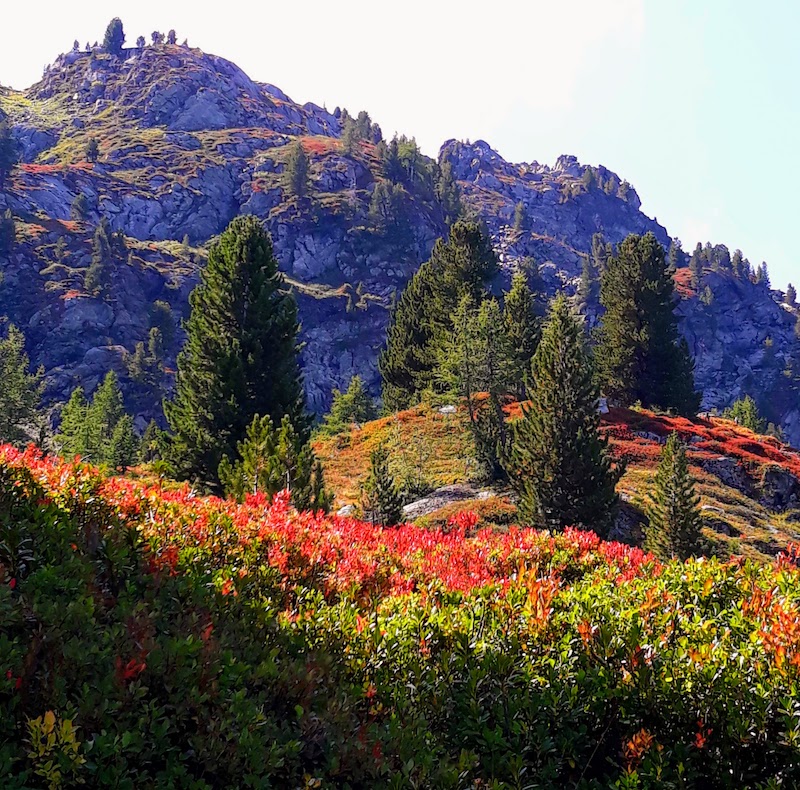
(188, 141)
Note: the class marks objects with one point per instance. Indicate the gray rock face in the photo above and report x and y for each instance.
(781, 490)
(193, 141)
(730, 472)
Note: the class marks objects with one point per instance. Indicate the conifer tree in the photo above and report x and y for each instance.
(381, 496)
(448, 193)
(73, 435)
(696, 269)
(140, 42)
(762, 275)
(79, 209)
(559, 464)
(114, 38)
(123, 446)
(92, 150)
(423, 316)
(240, 357)
(8, 150)
(271, 459)
(92, 429)
(354, 406)
(640, 355)
(8, 232)
(745, 413)
(20, 390)
(520, 217)
(791, 295)
(674, 515)
(296, 174)
(522, 326)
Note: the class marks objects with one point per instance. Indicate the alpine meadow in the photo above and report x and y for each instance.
(326, 463)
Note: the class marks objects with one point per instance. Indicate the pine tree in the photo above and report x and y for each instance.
(559, 464)
(172, 37)
(762, 275)
(674, 528)
(745, 413)
(381, 496)
(296, 175)
(588, 287)
(79, 209)
(92, 150)
(140, 42)
(423, 316)
(640, 355)
(97, 275)
(353, 407)
(21, 390)
(522, 327)
(102, 417)
(73, 435)
(240, 357)
(449, 194)
(271, 459)
(696, 269)
(8, 232)
(92, 429)
(520, 217)
(791, 295)
(114, 38)
(123, 446)
(8, 150)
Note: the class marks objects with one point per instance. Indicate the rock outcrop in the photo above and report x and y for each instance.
(188, 141)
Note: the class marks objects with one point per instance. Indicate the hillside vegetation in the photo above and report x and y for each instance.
(749, 493)
(151, 637)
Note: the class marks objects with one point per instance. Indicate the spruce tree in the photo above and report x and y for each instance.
(791, 295)
(20, 392)
(422, 318)
(674, 515)
(640, 356)
(240, 357)
(296, 173)
(381, 496)
(559, 464)
(114, 38)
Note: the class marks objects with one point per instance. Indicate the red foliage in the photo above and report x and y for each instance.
(333, 553)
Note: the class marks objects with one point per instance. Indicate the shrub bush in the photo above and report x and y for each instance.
(180, 641)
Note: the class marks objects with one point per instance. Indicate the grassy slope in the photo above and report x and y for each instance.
(439, 446)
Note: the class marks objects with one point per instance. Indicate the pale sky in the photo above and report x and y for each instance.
(695, 102)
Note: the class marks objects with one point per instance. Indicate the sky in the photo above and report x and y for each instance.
(697, 104)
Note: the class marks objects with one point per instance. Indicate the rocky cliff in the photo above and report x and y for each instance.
(187, 141)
